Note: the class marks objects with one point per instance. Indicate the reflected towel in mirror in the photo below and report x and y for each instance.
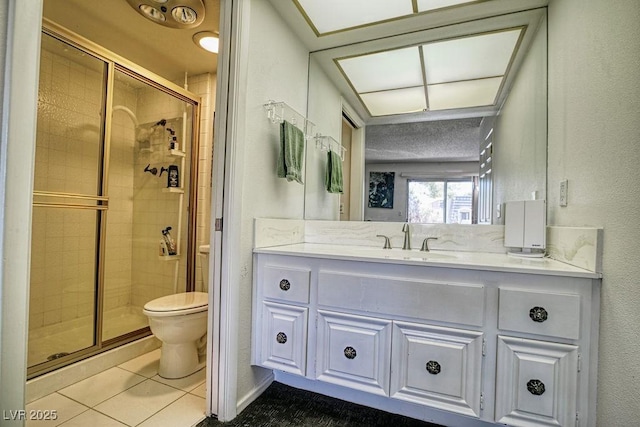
(333, 176)
(289, 164)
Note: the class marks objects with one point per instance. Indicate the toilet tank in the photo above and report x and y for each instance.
(203, 253)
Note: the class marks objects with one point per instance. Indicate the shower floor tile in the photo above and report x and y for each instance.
(131, 394)
(74, 335)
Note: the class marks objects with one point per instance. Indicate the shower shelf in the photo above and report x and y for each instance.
(177, 153)
(173, 190)
(169, 257)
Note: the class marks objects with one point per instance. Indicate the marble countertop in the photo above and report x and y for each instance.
(447, 259)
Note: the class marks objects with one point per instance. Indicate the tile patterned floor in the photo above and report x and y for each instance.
(131, 394)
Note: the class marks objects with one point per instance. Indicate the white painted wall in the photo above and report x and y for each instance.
(19, 20)
(325, 111)
(594, 128)
(275, 67)
(520, 131)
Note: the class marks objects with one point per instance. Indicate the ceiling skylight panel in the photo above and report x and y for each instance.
(392, 69)
(471, 93)
(486, 55)
(335, 15)
(425, 5)
(400, 101)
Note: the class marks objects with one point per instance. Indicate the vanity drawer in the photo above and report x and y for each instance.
(354, 351)
(460, 303)
(551, 314)
(286, 284)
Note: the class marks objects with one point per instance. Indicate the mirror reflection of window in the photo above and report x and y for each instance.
(440, 201)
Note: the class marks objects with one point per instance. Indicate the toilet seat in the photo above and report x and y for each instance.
(177, 304)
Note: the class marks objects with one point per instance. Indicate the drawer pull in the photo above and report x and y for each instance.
(281, 338)
(535, 387)
(538, 314)
(350, 353)
(433, 367)
(285, 285)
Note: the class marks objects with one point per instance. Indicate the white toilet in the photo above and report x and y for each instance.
(180, 322)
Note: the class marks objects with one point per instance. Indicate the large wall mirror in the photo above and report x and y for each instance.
(442, 123)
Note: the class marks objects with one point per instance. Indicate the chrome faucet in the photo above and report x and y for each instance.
(425, 243)
(387, 244)
(407, 237)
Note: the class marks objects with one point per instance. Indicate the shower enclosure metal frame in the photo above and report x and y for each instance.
(116, 63)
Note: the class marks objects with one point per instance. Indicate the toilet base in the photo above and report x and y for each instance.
(179, 360)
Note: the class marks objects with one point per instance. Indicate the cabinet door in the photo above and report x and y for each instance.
(284, 338)
(438, 367)
(536, 383)
(354, 351)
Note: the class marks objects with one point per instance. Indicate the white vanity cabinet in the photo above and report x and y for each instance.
(283, 320)
(455, 345)
(537, 380)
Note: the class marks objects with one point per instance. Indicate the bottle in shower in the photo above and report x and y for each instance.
(173, 177)
(170, 243)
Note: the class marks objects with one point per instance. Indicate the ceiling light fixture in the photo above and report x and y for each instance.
(207, 40)
(171, 13)
(152, 13)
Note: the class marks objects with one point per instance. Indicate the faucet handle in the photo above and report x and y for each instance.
(425, 243)
(387, 243)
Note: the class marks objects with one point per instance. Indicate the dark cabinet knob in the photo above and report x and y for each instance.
(433, 367)
(285, 285)
(538, 314)
(350, 353)
(281, 338)
(535, 387)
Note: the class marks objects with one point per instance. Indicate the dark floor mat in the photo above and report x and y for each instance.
(284, 406)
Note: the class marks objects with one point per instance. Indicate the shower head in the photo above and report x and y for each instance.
(152, 171)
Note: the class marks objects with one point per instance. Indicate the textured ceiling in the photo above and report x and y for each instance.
(437, 141)
(115, 25)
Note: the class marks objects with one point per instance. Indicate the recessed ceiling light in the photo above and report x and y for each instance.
(184, 15)
(171, 13)
(152, 13)
(207, 40)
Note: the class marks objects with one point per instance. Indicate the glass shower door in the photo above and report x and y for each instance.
(149, 190)
(68, 203)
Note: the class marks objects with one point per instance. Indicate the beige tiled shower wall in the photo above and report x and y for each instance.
(204, 85)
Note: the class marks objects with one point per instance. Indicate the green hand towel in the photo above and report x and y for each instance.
(289, 163)
(333, 175)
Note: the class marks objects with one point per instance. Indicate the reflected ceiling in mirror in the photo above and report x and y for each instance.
(428, 77)
(457, 71)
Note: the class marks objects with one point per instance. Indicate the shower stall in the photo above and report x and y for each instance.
(116, 166)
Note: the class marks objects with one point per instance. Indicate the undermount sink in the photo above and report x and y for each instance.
(397, 253)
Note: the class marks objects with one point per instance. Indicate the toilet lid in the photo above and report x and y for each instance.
(186, 301)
